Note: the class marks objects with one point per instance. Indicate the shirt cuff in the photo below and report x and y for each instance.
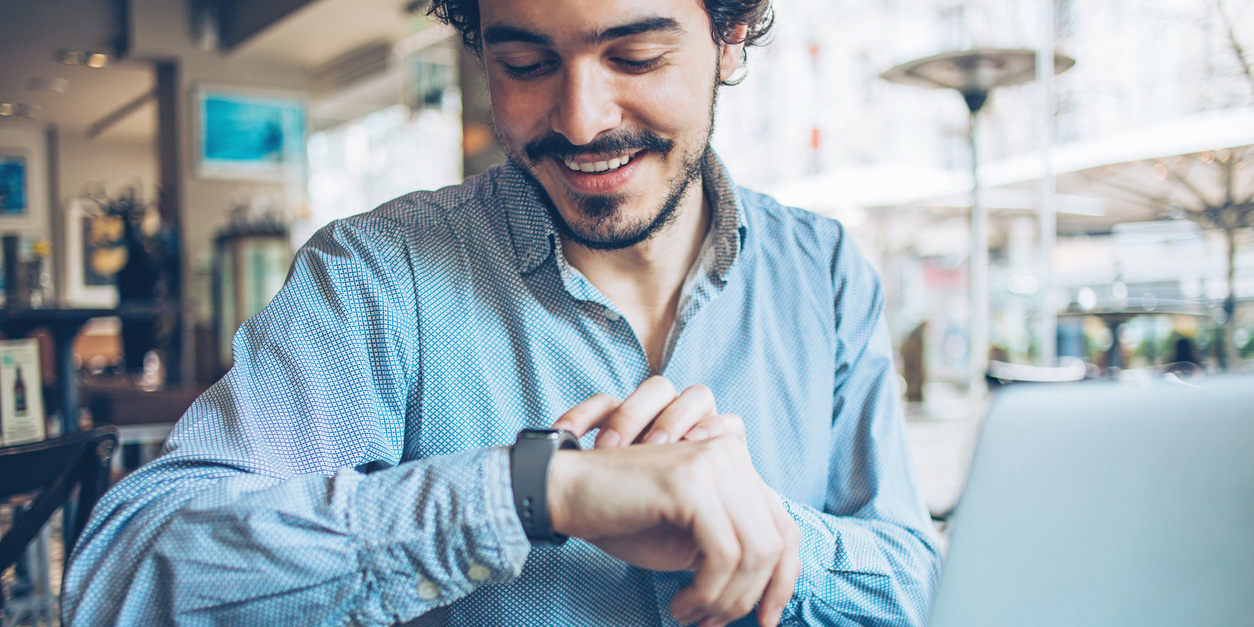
(434, 530)
(502, 515)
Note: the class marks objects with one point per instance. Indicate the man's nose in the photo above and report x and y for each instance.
(586, 106)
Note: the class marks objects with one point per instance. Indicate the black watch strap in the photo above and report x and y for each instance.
(529, 461)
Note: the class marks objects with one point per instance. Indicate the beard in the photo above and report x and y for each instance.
(599, 223)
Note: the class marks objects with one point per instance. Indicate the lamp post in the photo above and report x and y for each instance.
(974, 74)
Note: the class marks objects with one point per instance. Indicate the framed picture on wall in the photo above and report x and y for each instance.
(24, 181)
(14, 199)
(248, 135)
(94, 252)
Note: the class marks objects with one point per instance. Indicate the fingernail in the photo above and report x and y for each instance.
(608, 438)
(658, 437)
(562, 425)
(698, 434)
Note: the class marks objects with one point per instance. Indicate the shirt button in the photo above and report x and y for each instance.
(478, 572)
(427, 590)
(611, 315)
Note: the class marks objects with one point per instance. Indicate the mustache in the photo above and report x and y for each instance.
(553, 144)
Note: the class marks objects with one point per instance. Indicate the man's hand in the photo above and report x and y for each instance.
(685, 506)
(653, 414)
(688, 505)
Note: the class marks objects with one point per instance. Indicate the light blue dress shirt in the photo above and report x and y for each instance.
(350, 469)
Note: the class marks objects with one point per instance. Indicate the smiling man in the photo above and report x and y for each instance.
(396, 442)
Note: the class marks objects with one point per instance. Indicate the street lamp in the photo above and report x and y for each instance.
(975, 73)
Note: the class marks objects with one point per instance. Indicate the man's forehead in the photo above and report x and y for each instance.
(585, 20)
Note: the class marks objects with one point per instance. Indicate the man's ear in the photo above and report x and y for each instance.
(729, 60)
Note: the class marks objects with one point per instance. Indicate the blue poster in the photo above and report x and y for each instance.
(244, 134)
(12, 185)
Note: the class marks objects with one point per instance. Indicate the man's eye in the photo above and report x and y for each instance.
(641, 66)
(526, 71)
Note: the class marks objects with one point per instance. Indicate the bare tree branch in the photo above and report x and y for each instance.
(1187, 184)
(1237, 49)
(1153, 200)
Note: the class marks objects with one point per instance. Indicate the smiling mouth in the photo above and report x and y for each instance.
(600, 166)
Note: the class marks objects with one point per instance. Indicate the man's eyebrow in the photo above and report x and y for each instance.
(647, 25)
(499, 34)
(505, 34)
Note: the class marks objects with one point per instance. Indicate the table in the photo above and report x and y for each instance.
(63, 324)
(142, 417)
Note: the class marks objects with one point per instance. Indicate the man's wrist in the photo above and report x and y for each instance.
(531, 460)
(560, 473)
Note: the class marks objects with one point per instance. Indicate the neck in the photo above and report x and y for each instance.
(645, 280)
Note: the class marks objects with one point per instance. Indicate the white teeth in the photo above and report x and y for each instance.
(599, 166)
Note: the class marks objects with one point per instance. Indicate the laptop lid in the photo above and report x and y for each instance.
(1107, 504)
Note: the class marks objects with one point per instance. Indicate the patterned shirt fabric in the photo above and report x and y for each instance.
(352, 467)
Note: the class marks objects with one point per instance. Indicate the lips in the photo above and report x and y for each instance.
(599, 174)
(596, 165)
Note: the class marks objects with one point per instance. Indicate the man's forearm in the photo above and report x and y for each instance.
(176, 543)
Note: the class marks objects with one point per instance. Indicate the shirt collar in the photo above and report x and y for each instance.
(534, 235)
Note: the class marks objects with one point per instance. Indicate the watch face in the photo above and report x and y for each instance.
(564, 439)
(540, 434)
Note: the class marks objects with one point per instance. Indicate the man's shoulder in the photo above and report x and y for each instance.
(428, 210)
(438, 217)
(780, 223)
(791, 233)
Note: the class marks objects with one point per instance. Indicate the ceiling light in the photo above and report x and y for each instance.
(23, 110)
(70, 57)
(19, 110)
(94, 60)
(45, 83)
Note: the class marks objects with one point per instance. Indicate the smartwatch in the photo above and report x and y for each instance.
(529, 460)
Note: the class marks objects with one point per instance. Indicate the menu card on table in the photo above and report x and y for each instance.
(22, 417)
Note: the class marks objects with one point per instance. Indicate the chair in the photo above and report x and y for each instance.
(53, 468)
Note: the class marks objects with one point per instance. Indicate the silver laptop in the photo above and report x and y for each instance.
(1107, 504)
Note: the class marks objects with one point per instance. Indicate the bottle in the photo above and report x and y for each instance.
(19, 394)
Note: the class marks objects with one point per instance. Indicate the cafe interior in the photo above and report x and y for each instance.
(162, 160)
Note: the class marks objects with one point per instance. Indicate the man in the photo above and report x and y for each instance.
(354, 466)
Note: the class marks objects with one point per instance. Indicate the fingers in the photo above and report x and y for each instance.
(761, 566)
(652, 414)
(787, 570)
(587, 415)
(760, 554)
(719, 545)
(714, 426)
(624, 423)
(694, 405)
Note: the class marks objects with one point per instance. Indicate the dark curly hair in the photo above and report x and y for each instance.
(725, 16)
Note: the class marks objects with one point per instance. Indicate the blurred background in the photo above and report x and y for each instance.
(161, 160)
